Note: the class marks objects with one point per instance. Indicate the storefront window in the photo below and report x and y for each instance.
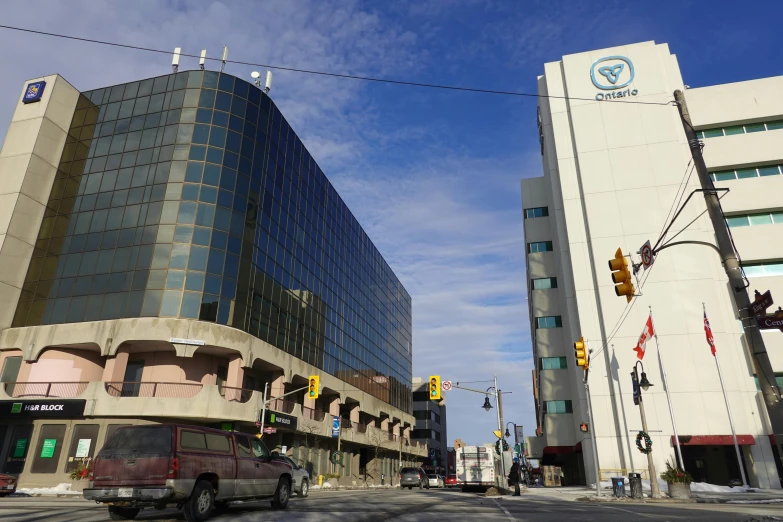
(85, 437)
(48, 448)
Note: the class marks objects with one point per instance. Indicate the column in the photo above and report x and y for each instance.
(235, 378)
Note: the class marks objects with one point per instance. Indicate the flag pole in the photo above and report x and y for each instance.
(668, 397)
(728, 410)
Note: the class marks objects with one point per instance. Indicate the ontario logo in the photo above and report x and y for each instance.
(612, 73)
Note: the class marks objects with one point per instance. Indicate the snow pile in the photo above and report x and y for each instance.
(696, 487)
(768, 501)
(63, 488)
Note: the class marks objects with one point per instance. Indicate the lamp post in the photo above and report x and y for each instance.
(638, 386)
(487, 406)
(521, 453)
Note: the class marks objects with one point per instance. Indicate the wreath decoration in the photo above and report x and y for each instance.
(336, 457)
(497, 446)
(647, 448)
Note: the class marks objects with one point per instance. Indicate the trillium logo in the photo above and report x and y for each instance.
(611, 73)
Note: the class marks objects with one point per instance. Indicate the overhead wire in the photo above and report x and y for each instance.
(323, 73)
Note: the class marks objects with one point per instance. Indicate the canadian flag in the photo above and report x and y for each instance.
(647, 334)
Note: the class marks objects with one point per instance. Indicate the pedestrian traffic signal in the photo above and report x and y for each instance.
(580, 352)
(435, 387)
(315, 383)
(621, 276)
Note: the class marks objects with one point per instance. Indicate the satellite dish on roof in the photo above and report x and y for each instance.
(255, 74)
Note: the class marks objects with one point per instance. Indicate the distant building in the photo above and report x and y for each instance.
(430, 427)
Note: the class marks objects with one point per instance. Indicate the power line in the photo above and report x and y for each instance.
(325, 73)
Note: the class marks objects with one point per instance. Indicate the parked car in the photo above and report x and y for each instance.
(7, 485)
(435, 481)
(301, 483)
(451, 481)
(194, 468)
(413, 477)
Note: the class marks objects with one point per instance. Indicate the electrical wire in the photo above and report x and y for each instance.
(323, 73)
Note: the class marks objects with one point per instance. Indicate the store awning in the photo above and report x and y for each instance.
(714, 440)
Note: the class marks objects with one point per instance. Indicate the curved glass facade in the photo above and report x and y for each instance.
(189, 195)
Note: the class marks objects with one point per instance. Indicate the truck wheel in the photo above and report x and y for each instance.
(304, 489)
(200, 503)
(282, 494)
(122, 513)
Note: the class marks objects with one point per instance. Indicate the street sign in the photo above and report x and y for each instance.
(498, 434)
(258, 424)
(761, 303)
(270, 431)
(771, 322)
(647, 255)
(446, 385)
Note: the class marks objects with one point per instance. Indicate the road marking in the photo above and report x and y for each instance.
(506, 511)
(642, 514)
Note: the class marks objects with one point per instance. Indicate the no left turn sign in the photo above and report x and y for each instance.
(647, 255)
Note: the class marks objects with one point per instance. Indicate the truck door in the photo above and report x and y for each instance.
(246, 482)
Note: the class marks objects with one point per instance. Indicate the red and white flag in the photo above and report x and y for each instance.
(647, 334)
(708, 333)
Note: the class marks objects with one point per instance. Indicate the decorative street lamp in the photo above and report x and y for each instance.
(487, 406)
(644, 384)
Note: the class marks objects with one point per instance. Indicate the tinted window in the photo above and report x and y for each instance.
(192, 440)
(243, 447)
(216, 442)
(156, 439)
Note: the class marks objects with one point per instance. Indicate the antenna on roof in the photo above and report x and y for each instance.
(225, 57)
(175, 59)
(268, 84)
(256, 75)
(202, 58)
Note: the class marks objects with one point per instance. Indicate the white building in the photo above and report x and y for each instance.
(612, 173)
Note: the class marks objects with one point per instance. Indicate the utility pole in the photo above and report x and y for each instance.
(500, 428)
(758, 351)
(593, 444)
(655, 491)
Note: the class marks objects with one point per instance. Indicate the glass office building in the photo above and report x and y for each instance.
(190, 196)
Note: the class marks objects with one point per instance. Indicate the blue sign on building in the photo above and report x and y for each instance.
(335, 426)
(33, 92)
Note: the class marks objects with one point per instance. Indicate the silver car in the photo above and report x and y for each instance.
(436, 481)
(301, 478)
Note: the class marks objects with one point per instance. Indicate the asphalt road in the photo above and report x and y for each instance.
(403, 506)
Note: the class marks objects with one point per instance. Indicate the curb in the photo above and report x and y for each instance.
(629, 500)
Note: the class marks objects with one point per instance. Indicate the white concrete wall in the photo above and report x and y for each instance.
(613, 170)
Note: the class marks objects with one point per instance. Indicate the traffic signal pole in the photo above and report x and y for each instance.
(758, 351)
(592, 436)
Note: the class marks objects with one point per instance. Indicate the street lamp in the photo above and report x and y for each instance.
(487, 406)
(640, 385)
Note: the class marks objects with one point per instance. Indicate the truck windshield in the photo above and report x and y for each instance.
(145, 440)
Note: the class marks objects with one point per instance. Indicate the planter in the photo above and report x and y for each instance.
(679, 490)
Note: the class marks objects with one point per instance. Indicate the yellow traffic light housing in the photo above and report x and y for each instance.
(621, 276)
(434, 387)
(314, 385)
(580, 353)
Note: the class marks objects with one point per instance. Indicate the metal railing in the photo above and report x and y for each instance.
(61, 390)
(176, 390)
(282, 406)
(235, 394)
(311, 414)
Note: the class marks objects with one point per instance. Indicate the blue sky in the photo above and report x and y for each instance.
(432, 175)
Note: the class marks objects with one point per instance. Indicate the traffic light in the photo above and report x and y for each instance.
(435, 387)
(315, 383)
(580, 353)
(621, 276)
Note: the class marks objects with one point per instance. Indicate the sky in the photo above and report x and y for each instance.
(432, 175)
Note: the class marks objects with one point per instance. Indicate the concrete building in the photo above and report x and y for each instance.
(616, 164)
(168, 250)
(430, 428)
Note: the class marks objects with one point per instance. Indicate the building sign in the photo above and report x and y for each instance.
(33, 92)
(612, 73)
(20, 449)
(179, 340)
(47, 450)
(42, 408)
(280, 420)
(83, 448)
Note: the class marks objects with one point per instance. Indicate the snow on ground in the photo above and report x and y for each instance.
(768, 501)
(61, 489)
(696, 487)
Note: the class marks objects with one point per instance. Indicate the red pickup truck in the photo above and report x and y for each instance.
(197, 469)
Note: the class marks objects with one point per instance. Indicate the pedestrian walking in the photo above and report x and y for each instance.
(513, 476)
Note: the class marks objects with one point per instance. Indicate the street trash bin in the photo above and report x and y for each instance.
(635, 483)
(618, 486)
